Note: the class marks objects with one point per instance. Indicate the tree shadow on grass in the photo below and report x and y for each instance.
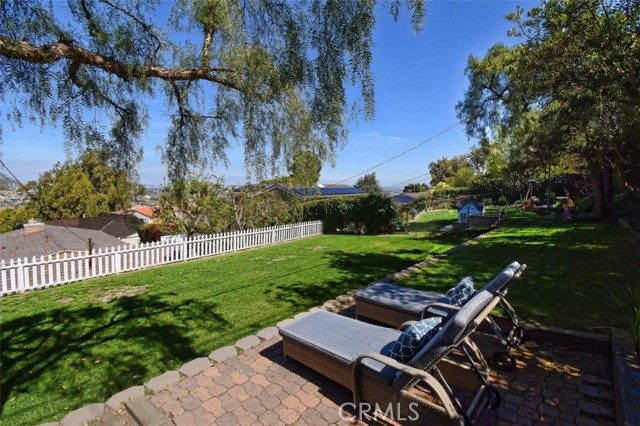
(357, 270)
(70, 351)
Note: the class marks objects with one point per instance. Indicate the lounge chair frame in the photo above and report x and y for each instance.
(438, 376)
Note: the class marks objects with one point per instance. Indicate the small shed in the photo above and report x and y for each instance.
(470, 208)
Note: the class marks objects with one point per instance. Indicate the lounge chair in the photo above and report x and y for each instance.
(428, 387)
(395, 305)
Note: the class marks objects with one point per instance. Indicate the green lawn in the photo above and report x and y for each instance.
(576, 276)
(65, 347)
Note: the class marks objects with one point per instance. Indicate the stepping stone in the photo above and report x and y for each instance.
(268, 333)
(332, 304)
(317, 308)
(145, 413)
(247, 343)
(194, 367)
(124, 396)
(345, 299)
(83, 415)
(223, 353)
(163, 381)
(413, 269)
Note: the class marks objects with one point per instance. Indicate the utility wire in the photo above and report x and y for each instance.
(405, 181)
(402, 153)
(33, 197)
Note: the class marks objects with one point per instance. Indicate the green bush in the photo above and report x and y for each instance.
(502, 201)
(370, 214)
(375, 214)
(335, 213)
(487, 201)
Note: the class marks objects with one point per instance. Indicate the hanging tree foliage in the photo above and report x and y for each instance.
(271, 74)
(570, 87)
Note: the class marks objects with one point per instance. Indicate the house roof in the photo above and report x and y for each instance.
(317, 191)
(144, 210)
(407, 197)
(115, 225)
(52, 239)
(328, 192)
(477, 205)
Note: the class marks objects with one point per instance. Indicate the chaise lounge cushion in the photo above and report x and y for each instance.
(449, 335)
(344, 339)
(498, 283)
(414, 338)
(402, 299)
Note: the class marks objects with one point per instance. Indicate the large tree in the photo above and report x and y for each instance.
(305, 169)
(267, 73)
(369, 183)
(445, 169)
(570, 88)
(88, 187)
(195, 204)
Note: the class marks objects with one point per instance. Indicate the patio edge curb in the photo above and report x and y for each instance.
(626, 378)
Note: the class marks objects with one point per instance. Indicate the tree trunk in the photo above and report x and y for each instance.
(602, 191)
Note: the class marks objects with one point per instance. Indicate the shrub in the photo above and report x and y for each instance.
(335, 213)
(487, 201)
(375, 214)
(502, 201)
(369, 214)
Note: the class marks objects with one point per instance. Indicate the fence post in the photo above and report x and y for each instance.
(20, 274)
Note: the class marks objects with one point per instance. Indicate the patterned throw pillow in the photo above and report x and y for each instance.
(459, 294)
(414, 338)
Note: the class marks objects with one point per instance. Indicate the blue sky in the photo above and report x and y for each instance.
(419, 80)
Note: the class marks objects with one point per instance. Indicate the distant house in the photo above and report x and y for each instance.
(145, 213)
(123, 227)
(470, 208)
(39, 239)
(407, 197)
(320, 191)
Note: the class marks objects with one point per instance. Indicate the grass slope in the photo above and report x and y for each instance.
(65, 347)
(577, 274)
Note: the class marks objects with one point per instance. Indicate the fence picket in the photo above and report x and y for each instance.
(19, 275)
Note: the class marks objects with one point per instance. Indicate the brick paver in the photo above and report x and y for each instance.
(551, 385)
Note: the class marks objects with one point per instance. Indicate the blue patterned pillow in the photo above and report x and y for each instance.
(414, 338)
(459, 294)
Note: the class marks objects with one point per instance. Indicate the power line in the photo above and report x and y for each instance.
(402, 153)
(33, 197)
(405, 181)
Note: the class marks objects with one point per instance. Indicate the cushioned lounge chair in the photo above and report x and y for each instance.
(394, 305)
(355, 354)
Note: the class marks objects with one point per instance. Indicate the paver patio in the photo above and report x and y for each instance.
(551, 385)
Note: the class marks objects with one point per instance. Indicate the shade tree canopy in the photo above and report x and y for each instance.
(569, 89)
(369, 183)
(271, 75)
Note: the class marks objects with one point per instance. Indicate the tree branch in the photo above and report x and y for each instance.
(53, 52)
(148, 28)
(73, 76)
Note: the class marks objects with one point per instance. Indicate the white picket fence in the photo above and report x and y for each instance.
(21, 275)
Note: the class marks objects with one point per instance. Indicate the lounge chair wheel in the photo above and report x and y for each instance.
(519, 337)
(495, 399)
(504, 361)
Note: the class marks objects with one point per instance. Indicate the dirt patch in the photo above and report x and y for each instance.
(117, 293)
(65, 300)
